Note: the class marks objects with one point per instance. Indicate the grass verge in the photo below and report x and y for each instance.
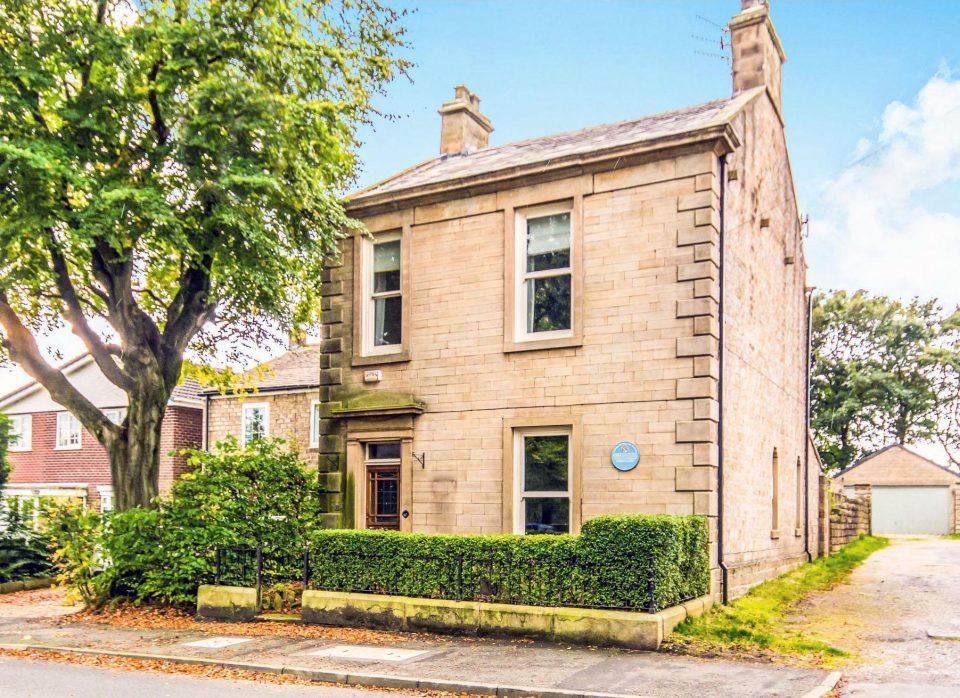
(952, 536)
(754, 623)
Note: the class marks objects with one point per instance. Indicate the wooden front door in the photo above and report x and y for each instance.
(383, 485)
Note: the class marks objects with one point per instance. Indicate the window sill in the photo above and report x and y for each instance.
(798, 532)
(375, 359)
(68, 448)
(540, 344)
(775, 534)
(19, 450)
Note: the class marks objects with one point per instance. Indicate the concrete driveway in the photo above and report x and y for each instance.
(901, 614)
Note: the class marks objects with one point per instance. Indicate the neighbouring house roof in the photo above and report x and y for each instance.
(562, 147)
(296, 369)
(889, 447)
(188, 392)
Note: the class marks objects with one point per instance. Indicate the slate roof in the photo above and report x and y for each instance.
(189, 389)
(298, 368)
(546, 149)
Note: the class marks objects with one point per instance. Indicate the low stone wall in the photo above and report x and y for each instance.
(26, 584)
(849, 517)
(226, 603)
(582, 625)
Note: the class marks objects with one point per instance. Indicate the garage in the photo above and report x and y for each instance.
(910, 509)
(907, 492)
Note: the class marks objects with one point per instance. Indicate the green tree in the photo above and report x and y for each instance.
(880, 373)
(4, 446)
(170, 178)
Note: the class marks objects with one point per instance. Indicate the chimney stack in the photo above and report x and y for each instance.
(463, 129)
(757, 53)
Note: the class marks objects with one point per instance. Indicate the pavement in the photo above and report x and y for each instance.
(900, 613)
(424, 662)
(38, 679)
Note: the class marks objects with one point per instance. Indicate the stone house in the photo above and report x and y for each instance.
(53, 456)
(905, 492)
(609, 320)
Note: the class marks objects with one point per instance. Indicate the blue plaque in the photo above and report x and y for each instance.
(625, 456)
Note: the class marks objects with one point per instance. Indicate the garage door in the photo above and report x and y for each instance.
(910, 509)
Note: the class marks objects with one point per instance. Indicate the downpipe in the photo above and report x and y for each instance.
(724, 571)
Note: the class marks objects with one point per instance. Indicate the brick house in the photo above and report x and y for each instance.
(279, 398)
(609, 320)
(905, 492)
(52, 455)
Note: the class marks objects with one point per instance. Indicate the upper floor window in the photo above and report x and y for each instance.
(68, 430)
(544, 303)
(384, 312)
(256, 422)
(21, 437)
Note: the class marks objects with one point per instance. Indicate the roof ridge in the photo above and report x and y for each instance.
(488, 156)
(890, 446)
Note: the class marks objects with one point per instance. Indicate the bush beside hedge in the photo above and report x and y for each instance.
(607, 565)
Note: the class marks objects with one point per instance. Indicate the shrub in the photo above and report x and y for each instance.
(620, 548)
(75, 536)
(531, 569)
(24, 551)
(607, 565)
(235, 496)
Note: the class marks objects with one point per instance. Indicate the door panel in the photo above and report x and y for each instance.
(383, 496)
(910, 509)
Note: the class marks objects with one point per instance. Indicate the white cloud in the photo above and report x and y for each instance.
(890, 222)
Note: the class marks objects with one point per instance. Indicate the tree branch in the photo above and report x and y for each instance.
(74, 315)
(23, 349)
(159, 126)
(190, 308)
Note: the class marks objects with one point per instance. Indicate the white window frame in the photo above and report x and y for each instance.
(115, 414)
(21, 428)
(523, 276)
(247, 407)
(369, 297)
(519, 493)
(315, 423)
(60, 445)
(106, 498)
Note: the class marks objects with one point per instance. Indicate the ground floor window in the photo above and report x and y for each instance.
(382, 465)
(106, 498)
(543, 476)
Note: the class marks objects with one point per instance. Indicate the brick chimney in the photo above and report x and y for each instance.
(463, 129)
(757, 53)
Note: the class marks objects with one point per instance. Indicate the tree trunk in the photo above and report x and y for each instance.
(135, 454)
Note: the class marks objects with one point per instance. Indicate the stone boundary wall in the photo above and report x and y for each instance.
(849, 517)
(631, 629)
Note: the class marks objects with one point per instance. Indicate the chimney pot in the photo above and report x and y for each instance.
(463, 129)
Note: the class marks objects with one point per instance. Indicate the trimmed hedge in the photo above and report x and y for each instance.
(607, 565)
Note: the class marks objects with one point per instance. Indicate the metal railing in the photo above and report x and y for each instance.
(498, 577)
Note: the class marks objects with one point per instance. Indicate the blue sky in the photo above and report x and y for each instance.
(542, 67)
(875, 77)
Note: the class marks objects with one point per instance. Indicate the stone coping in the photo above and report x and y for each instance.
(632, 629)
(218, 602)
(26, 584)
